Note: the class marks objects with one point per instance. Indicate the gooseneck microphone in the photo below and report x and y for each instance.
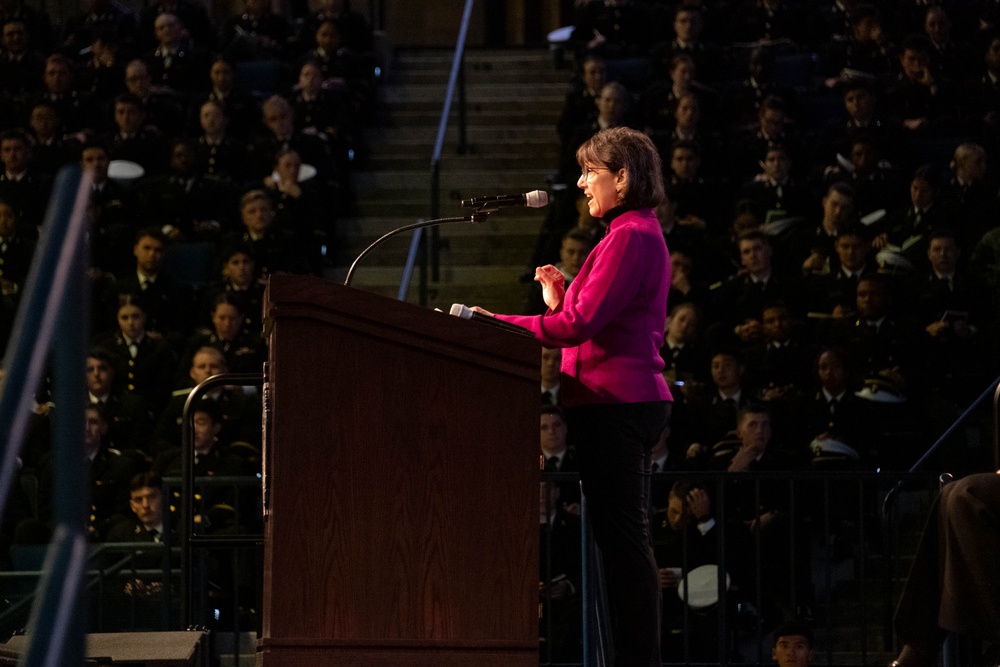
(483, 205)
(533, 199)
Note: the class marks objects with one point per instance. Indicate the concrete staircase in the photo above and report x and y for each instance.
(513, 101)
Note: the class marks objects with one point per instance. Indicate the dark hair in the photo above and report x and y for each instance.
(945, 233)
(148, 479)
(775, 304)
(235, 249)
(210, 408)
(225, 299)
(686, 305)
(683, 487)
(686, 144)
(927, 172)
(93, 142)
(917, 42)
(794, 628)
(842, 188)
(624, 148)
(755, 234)
(130, 98)
(257, 194)
(854, 229)
(553, 410)
(733, 352)
(101, 354)
(862, 12)
(98, 409)
(151, 232)
(753, 408)
(16, 135)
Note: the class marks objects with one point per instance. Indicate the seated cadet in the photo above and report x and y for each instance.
(219, 154)
(834, 291)
(240, 411)
(557, 455)
(576, 245)
(128, 415)
(245, 352)
(144, 363)
(133, 138)
(551, 376)
(684, 538)
(16, 253)
(793, 645)
(167, 302)
(560, 622)
(813, 246)
(108, 472)
(710, 418)
(949, 306)
(779, 365)
(240, 284)
(186, 205)
(971, 194)
(906, 230)
(218, 506)
(774, 190)
(147, 521)
(738, 301)
(684, 357)
(24, 190)
(274, 248)
(761, 511)
(834, 412)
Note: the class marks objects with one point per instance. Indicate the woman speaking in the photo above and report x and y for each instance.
(610, 324)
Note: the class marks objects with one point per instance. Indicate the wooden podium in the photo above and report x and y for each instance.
(401, 482)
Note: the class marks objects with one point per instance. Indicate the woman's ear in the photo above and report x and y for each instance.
(621, 182)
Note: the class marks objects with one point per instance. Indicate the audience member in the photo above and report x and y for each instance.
(108, 474)
(793, 645)
(551, 362)
(244, 352)
(143, 363)
(560, 578)
(24, 190)
(684, 539)
(128, 417)
(240, 415)
(167, 302)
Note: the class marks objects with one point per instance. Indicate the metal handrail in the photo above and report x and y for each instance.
(55, 304)
(187, 540)
(993, 388)
(429, 247)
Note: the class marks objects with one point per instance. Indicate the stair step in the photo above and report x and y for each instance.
(477, 92)
(475, 181)
(420, 161)
(528, 138)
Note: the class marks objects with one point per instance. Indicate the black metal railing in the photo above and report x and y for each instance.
(827, 560)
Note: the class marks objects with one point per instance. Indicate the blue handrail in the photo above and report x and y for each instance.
(429, 259)
(55, 301)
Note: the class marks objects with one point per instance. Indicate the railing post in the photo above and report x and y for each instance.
(463, 135)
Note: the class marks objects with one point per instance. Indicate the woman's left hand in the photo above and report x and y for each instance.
(553, 285)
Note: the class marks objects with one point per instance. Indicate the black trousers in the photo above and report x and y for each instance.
(954, 583)
(612, 445)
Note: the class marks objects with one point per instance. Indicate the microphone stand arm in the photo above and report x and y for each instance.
(478, 216)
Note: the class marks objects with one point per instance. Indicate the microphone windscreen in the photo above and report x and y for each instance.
(536, 199)
(461, 310)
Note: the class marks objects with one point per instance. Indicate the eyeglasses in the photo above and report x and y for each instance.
(589, 171)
